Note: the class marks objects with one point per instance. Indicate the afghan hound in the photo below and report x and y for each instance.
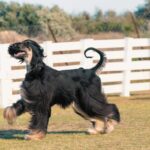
(43, 87)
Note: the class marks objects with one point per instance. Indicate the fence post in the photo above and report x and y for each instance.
(85, 62)
(48, 51)
(5, 77)
(127, 70)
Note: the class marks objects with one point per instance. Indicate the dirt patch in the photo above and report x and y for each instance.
(11, 36)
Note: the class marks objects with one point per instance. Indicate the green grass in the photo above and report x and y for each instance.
(67, 130)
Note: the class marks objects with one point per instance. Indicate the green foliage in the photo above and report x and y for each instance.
(59, 22)
(33, 20)
(28, 18)
(37, 20)
(22, 19)
(109, 26)
(102, 23)
(143, 15)
(144, 11)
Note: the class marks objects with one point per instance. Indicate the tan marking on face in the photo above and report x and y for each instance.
(29, 55)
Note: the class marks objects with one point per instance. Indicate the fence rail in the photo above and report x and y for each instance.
(127, 69)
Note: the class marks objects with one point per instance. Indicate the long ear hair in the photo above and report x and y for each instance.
(36, 62)
(34, 45)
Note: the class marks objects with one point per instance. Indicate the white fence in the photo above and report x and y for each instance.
(127, 69)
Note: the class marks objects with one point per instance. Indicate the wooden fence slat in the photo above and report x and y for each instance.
(111, 55)
(66, 58)
(115, 77)
(137, 65)
(119, 43)
(114, 66)
(141, 53)
(140, 86)
(140, 75)
(141, 42)
(67, 46)
(109, 89)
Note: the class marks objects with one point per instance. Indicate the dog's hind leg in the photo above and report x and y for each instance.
(11, 112)
(97, 124)
(109, 125)
(79, 111)
(104, 116)
(112, 117)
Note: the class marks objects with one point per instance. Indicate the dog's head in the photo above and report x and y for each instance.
(26, 50)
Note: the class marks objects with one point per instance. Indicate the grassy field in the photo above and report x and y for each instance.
(67, 130)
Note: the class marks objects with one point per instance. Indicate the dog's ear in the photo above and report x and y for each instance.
(33, 45)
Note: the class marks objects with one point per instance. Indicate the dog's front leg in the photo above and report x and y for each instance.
(11, 112)
(38, 124)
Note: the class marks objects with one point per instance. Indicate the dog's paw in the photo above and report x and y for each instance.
(110, 126)
(35, 136)
(10, 114)
(92, 131)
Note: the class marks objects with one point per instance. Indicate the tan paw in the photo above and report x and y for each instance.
(92, 131)
(10, 114)
(35, 136)
(110, 126)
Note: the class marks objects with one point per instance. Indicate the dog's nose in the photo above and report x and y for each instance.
(12, 49)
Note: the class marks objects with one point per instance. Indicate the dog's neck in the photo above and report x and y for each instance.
(35, 65)
(28, 65)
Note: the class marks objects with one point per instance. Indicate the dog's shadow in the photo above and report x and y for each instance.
(19, 134)
(13, 134)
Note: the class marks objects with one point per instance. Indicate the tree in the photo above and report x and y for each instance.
(98, 14)
(110, 14)
(144, 11)
(59, 22)
(28, 20)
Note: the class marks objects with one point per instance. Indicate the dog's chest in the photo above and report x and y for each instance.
(32, 90)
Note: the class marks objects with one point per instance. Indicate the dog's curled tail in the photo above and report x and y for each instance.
(102, 60)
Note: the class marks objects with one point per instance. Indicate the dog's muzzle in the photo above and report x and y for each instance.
(15, 51)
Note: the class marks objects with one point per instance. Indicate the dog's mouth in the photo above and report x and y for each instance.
(17, 50)
(20, 54)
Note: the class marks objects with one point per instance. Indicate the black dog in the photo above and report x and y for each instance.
(44, 87)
